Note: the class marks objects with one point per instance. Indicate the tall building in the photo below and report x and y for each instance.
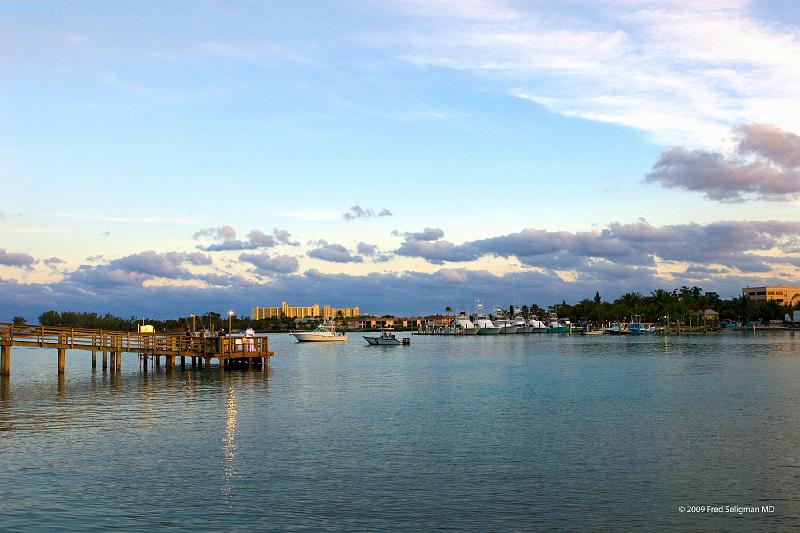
(783, 294)
(333, 312)
(310, 311)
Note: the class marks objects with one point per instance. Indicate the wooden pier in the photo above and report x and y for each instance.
(230, 351)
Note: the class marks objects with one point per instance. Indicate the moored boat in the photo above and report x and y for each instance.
(323, 333)
(386, 338)
(486, 326)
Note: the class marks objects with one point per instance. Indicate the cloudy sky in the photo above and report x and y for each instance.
(173, 158)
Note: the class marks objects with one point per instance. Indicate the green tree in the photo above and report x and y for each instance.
(19, 320)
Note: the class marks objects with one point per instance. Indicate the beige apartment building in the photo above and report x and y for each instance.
(309, 311)
(782, 294)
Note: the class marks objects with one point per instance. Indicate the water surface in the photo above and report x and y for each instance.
(479, 433)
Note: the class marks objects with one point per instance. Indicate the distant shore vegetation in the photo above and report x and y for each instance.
(675, 305)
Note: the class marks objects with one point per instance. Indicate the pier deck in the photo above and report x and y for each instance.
(251, 351)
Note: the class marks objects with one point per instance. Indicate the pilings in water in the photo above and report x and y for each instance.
(5, 360)
(229, 351)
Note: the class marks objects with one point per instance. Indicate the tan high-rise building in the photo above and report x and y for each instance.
(783, 294)
(310, 311)
(333, 312)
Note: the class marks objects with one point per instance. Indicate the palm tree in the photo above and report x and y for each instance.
(448, 310)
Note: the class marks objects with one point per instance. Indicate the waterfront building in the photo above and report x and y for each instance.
(309, 311)
(783, 294)
(371, 322)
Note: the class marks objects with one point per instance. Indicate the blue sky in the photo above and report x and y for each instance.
(556, 148)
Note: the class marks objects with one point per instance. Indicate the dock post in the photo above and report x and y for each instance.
(94, 358)
(62, 352)
(157, 361)
(105, 359)
(5, 360)
(183, 362)
(144, 362)
(118, 359)
(194, 362)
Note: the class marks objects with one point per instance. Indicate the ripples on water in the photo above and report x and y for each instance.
(524, 432)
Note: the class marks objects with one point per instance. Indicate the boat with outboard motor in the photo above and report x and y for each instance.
(387, 338)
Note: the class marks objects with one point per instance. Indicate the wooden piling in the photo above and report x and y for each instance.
(5, 360)
(194, 362)
(94, 358)
(183, 362)
(105, 359)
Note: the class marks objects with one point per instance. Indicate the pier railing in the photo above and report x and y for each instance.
(169, 345)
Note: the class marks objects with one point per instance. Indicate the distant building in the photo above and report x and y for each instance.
(782, 294)
(309, 311)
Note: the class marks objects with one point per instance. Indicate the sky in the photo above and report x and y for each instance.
(166, 158)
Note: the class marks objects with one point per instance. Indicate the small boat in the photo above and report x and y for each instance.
(617, 328)
(325, 332)
(386, 338)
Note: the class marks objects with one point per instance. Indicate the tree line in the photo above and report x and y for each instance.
(659, 305)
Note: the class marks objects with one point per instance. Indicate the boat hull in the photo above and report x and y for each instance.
(379, 341)
(559, 329)
(309, 337)
(508, 330)
(488, 331)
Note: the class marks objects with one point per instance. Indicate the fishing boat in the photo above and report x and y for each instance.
(522, 325)
(617, 328)
(386, 338)
(536, 325)
(463, 325)
(325, 332)
(506, 327)
(483, 323)
(637, 327)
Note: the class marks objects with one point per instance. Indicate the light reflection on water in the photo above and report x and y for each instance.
(524, 432)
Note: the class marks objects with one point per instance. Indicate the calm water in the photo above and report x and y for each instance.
(524, 432)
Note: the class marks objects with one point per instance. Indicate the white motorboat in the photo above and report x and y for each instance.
(486, 326)
(506, 327)
(323, 333)
(536, 325)
(386, 338)
(464, 326)
(522, 326)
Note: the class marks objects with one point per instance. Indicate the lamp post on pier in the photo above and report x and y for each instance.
(230, 317)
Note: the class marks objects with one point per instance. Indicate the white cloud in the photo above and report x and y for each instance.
(683, 72)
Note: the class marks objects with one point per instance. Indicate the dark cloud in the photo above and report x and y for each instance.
(13, 259)
(53, 261)
(284, 237)
(729, 243)
(768, 167)
(428, 234)
(438, 252)
(335, 253)
(227, 241)
(197, 258)
(150, 263)
(357, 211)
(367, 249)
(122, 293)
(268, 266)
